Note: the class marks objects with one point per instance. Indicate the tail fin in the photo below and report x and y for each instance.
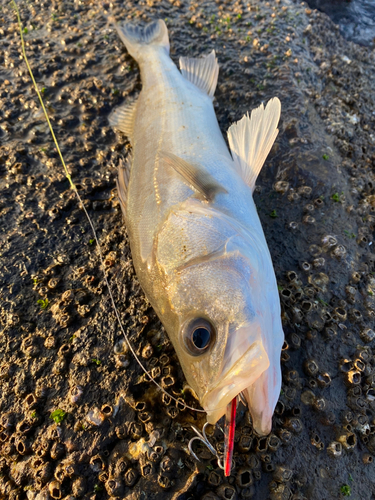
(136, 38)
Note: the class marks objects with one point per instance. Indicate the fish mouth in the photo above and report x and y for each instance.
(238, 378)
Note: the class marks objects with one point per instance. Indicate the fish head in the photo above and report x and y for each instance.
(226, 309)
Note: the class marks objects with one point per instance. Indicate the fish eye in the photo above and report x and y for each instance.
(199, 334)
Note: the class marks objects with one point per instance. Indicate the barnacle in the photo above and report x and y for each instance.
(311, 367)
(145, 416)
(121, 431)
(316, 441)
(244, 477)
(60, 366)
(308, 219)
(97, 463)
(147, 469)
(50, 342)
(367, 335)
(273, 442)
(305, 266)
(30, 347)
(155, 454)
(164, 359)
(5, 435)
(339, 252)
(95, 417)
(64, 350)
(23, 445)
(244, 444)
(156, 372)
(114, 486)
(165, 482)
(76, 394)
(348, 440)
(282, 474)
(334, 449)
(122, 361)
(107, 410)
(147, 351)
(353, 377)
(341, 313)
(226, 491)
(54, 489)
(79, 486)
(130, 477)
(319, 404)
(292, 377)
(294, 424)
(367, 458)
(167, 382)
(355, 315)
(295, 341)
(57, 451)
(121, 466)
(281, 187)
(214, 479)
(42, 447)
(136, 430)
(323, 379)
(262, 444)
(24, 426)
(103, 476)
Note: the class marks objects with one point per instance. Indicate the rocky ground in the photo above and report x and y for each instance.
(78, 419)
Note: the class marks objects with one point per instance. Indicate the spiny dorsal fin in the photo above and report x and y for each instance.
(122, 183)
(123, 118)
(203, 72)
(251, 139)
(194, 176)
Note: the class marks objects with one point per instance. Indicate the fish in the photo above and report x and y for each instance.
(196, 240)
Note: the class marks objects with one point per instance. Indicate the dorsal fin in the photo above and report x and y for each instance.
(203, 72)
(251, 139)
(123, 118)
(194, 176)
(122, 182)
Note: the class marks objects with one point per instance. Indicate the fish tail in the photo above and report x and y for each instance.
(138, 38)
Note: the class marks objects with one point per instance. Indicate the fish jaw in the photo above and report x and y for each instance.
(242, 375)
(262, 397)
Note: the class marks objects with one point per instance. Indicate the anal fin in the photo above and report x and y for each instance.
(194, 175)
(203, 72)
(123, 117)
(251, 139)
(122, 183)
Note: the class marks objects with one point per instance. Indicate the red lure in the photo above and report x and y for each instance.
(230, 424)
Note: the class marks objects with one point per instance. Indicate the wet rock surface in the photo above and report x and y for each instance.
(79, 419)
(356, 18)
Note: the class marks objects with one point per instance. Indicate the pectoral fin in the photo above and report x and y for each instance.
(123, 117)
(194, 176)
(123, 182)
(251, 139)
(203, 72)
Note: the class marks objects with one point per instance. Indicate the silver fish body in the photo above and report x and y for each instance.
(197, 243)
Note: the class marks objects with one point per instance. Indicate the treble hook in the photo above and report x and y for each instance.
(242, 398)
(201, 436)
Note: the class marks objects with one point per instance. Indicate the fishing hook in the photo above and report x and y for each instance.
(201, 436)
(242, 398)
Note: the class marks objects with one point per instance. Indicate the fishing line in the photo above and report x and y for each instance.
(179, 402)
